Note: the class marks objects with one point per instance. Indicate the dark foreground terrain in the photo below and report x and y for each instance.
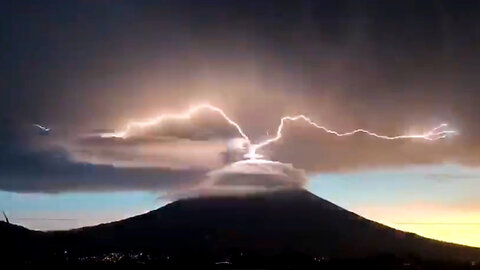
(285, 229)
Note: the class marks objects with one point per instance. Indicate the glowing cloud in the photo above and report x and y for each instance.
(129, 129)
(436, 133)
(246, 177)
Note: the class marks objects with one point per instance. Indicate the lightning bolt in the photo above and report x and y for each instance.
(431, 135)
(128, 130)
(436, 133)
(41, 127)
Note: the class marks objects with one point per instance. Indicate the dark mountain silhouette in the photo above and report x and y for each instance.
(267, 225)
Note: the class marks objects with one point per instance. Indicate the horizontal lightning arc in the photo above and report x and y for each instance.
(127, 131)
(434, 134)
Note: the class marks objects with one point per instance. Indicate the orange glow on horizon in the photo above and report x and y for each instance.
(450, 224)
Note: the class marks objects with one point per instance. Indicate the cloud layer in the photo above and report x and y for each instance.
(52, 171)
(245, 177)
(338, 64)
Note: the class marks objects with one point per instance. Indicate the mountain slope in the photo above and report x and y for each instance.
(260, 229)
(292, 221)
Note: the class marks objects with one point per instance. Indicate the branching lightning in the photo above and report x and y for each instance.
(127, 132)
(436, 133)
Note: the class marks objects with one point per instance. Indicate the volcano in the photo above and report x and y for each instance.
(260, 227)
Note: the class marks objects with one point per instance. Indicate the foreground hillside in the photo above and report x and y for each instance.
(291, 225)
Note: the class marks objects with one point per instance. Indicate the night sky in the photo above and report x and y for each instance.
(393, 67)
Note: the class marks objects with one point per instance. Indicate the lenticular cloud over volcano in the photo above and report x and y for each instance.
(245, 177)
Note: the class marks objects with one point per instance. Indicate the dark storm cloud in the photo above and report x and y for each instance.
(387, 66)
(171, 153)
(52, 171)
(26, 168)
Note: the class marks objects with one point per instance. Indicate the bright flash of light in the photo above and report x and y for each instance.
(41, 127)
(129, 129)
(436, 133)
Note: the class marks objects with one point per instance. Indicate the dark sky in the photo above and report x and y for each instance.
(389, 66)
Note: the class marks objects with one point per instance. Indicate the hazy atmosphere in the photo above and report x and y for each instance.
(75, 75)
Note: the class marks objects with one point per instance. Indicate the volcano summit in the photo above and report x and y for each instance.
(284, 227)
